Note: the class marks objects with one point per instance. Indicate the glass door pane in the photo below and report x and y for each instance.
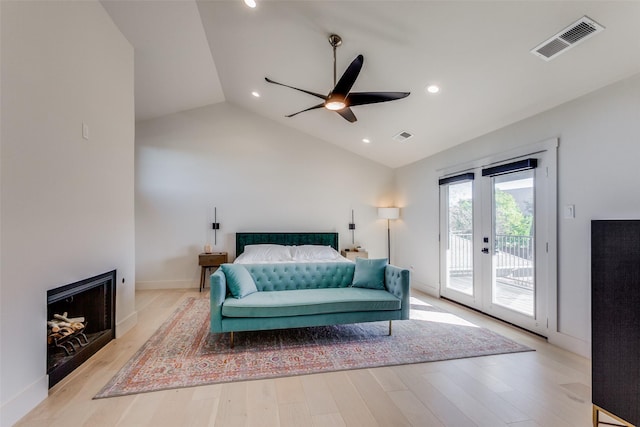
(459, 267)
(513, 263)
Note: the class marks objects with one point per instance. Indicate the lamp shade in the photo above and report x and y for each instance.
(388, 213)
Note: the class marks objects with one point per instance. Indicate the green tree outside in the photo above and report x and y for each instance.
(510, 219)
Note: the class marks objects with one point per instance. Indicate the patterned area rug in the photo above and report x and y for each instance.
(182, 352)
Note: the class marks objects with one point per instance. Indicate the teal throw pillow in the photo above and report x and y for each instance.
(239, 280)
(369, 273)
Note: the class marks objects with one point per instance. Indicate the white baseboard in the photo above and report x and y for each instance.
(572, 344)
(23, 402)
(126, 324)
(167, 284)
(429, 290)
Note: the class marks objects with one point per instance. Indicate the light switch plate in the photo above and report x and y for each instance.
(569, 211)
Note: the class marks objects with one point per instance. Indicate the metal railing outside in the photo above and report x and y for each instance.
(513, 262)
(461, 254)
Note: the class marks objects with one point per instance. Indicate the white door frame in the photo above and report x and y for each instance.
(546, 239)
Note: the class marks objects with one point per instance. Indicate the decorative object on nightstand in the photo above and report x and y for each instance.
(389, 214)
(352, 255)
(208, 249)
(211, 260)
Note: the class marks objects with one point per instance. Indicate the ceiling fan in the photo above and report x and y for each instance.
(340, 99)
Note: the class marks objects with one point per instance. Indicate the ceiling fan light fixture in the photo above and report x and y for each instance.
(335, 103)
(250, 3)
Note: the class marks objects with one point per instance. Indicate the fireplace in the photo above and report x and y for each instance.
(83, 316)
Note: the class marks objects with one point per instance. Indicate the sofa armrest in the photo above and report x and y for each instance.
(398, 282)
(218, 295)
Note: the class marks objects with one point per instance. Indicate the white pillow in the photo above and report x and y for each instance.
(265, 253)
(314, 253)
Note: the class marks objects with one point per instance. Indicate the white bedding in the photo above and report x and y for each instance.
(269, 254)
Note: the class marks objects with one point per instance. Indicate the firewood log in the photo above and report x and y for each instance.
(76, 326)
(59, 323)
(62, 317)
(66, 331)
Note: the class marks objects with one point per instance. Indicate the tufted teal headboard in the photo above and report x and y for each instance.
(287, 239)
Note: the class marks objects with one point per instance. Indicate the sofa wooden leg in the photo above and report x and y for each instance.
(390, 327)
(231, 339)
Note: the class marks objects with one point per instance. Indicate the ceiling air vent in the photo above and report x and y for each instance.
(567, 38)
(402, 136)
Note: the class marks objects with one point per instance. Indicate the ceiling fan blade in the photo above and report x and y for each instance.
(349, 77)
(298, 89)
(347, 114)
(308, 109)
(362, 98)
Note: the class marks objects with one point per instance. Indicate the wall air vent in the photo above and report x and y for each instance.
(571, 36)
(402, 136)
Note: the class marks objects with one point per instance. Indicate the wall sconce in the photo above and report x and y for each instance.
(389, 214)
(215, 225)
(352, 227)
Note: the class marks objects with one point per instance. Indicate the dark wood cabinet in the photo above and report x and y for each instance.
(615, 319)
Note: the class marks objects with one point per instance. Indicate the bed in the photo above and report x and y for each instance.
(309, 247)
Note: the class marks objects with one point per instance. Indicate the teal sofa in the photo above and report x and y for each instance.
(306, 294)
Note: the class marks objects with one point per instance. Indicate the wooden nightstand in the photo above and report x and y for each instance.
(207, 261)
(352, 255)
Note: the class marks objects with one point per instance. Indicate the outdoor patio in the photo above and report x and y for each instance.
(513, 270)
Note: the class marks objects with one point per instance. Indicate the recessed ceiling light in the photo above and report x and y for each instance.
(250, 3)
(256, 94)
(366, 140)
(433, 89)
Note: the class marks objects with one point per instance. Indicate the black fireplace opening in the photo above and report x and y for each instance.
(80, 321)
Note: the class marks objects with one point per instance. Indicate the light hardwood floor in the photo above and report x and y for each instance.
(546, 388)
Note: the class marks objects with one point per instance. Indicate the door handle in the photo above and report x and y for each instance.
(485, 250)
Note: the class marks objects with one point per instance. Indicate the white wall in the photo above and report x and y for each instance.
(260, 175)
(67, 203)
(597, 171)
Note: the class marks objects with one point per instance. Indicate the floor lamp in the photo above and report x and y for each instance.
(389, 214)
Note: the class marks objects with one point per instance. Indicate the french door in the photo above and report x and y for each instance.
(495, 228)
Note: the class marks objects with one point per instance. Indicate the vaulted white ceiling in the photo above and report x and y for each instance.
(174, 68)
(189, 54)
